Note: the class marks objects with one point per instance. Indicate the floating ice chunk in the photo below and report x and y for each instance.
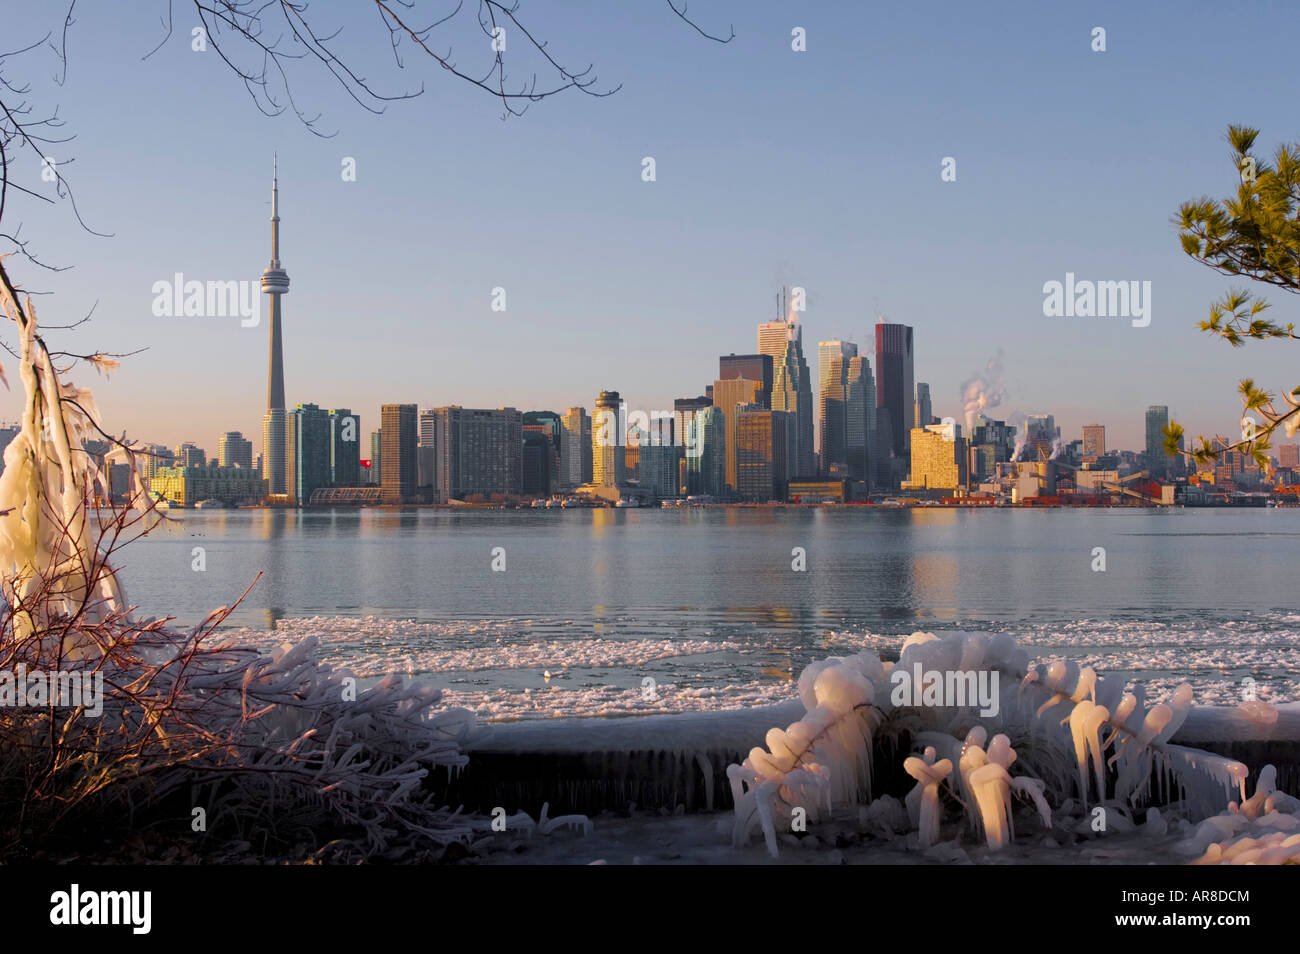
(1259, 712)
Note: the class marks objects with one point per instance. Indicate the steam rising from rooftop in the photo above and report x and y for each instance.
(986, 389)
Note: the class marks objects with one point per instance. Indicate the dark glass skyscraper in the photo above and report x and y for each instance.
(345, 448)
(753, 367)
(895, 399)
(307, 440)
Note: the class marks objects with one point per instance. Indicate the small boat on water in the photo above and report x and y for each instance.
(212, 503)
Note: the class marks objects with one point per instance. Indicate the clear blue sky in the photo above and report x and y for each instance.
(819, 169)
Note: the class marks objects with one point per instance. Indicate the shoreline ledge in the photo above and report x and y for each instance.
(588, 765)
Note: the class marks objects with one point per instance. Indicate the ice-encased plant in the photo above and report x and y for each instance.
(275, 743)
(1082, 740)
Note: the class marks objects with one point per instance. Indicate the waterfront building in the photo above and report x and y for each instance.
(307, 461)
(761, 453)
(938, 458)
(186, 486)
(345, 448)
(609, 441)
(399, 430)
(1159, 462)
(575, 449)
(480, 452)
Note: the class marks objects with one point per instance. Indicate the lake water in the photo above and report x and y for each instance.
(706, 602)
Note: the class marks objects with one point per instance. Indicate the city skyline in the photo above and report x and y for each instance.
(688, 262)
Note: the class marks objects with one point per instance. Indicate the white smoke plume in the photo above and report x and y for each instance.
(986, 389)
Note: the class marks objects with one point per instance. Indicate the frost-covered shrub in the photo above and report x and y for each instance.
(273, 743)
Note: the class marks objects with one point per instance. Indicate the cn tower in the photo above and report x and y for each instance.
(275, 282)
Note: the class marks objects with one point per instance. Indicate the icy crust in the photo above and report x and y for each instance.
(1214, 657)
(506, 645)
(552, 703)
(1088, 745)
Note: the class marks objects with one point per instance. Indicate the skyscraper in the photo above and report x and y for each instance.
(275, 282)
(345, 448)
(791, 390)
(860, 419)
(307, 446)
(426, 453)
(833, 359)
(706, 452)
(761, 454)
(924, 413)
(575, 448)
(727, 397)
(233, 450)
(608, 441)
(1158, 461)
(398, 441)
(754, 367)
(895, 400)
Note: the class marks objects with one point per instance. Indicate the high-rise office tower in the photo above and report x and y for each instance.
(307, 442)
(480, 452)
(706, 451)
(833, 359)
(791, 390)
(754, 367)
(608, 441)
(345, 448)
(547, 474)
(1094, 441)
(1159, 463)
(1288, 455)
(234, 450)
(658, 469)
(275, 282)
(575, 448)
(895, 400)
(727, 397)
(924, 413)
(860, 419)
(760, 453)
(399, 430)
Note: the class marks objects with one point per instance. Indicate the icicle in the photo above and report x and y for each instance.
(928, 774)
